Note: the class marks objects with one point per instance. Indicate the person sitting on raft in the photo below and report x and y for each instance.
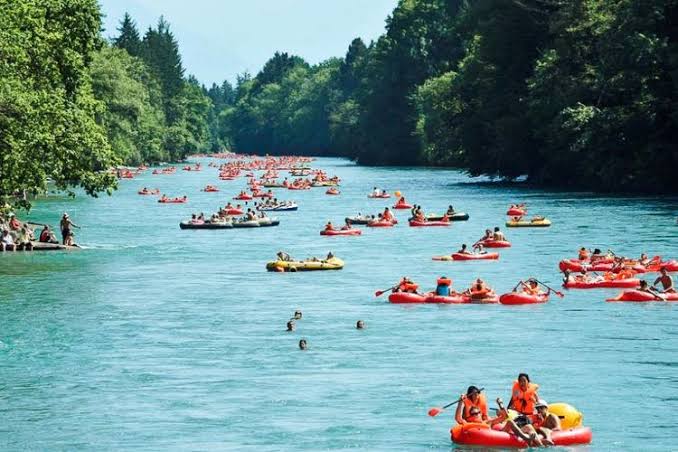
(498, 235)
(406, 285)
(488, 235)
(329, 226)
(376, 192)
(401, 201)
(665, 280)
(464, 249)
(583, 254)
(524, 395)
(387, 215)
(544, 422)
(443, 286)
(531, 287)
(284, 256)
(346, 226)
(472, 400)
(47, 236)
(479, 290)
(450, 211)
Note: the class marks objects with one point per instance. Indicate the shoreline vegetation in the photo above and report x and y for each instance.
(578, 94)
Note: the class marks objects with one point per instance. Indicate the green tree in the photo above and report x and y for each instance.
(128, 38)
(47, 110)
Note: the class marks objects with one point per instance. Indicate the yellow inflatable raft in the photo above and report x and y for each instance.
(533, 223)
(333, 263)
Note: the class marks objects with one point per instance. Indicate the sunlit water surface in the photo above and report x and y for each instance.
(157, 338)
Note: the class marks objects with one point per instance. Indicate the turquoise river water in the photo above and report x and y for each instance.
(156, 338)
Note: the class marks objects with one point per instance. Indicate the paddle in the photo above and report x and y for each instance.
(437, 410)
(379, 293)
(560, 294)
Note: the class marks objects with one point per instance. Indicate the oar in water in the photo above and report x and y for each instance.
(560, 294)
(379, 293)
(437, 410)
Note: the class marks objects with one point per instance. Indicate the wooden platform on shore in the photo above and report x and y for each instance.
(40, 246)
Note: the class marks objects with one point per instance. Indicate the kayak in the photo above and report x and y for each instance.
(295, 266)
(543, 223)
(341, 232)
(482, 435)
(640, 297)
(406, 297)
(203, 225)
(380, 224)
(383, 196)
(522, 298)
(402, 205)
(495, 243)
(417, 223)
(606, 283)
(514, 212)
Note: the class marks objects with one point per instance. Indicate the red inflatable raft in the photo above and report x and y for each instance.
(611, 283)
(482, 435)
(380, 224)
(332, 191)
(173, 200)
(514, 298)
(575, 265)
(495, 243)
(341, 232)
(416, 223)
(642, 297)
(405, 297)
(244, 197)
(474, 257)
(234, 211)
(402, 205)
(450, 299)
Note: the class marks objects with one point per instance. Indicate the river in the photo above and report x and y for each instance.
(157, 338)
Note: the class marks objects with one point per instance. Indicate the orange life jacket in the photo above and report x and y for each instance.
(523, 401)
(406, 286)
(480, 403)
(444, 282)
(387, 216)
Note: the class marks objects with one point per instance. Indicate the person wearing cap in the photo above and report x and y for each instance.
(544, 422)
(467, 402)
(66, 224)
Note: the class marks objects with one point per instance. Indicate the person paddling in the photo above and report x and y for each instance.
(665, 280)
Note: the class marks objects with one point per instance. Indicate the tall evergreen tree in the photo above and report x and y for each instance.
(128, 38)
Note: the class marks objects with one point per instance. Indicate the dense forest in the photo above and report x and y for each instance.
(73, 105)
(577, 93)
